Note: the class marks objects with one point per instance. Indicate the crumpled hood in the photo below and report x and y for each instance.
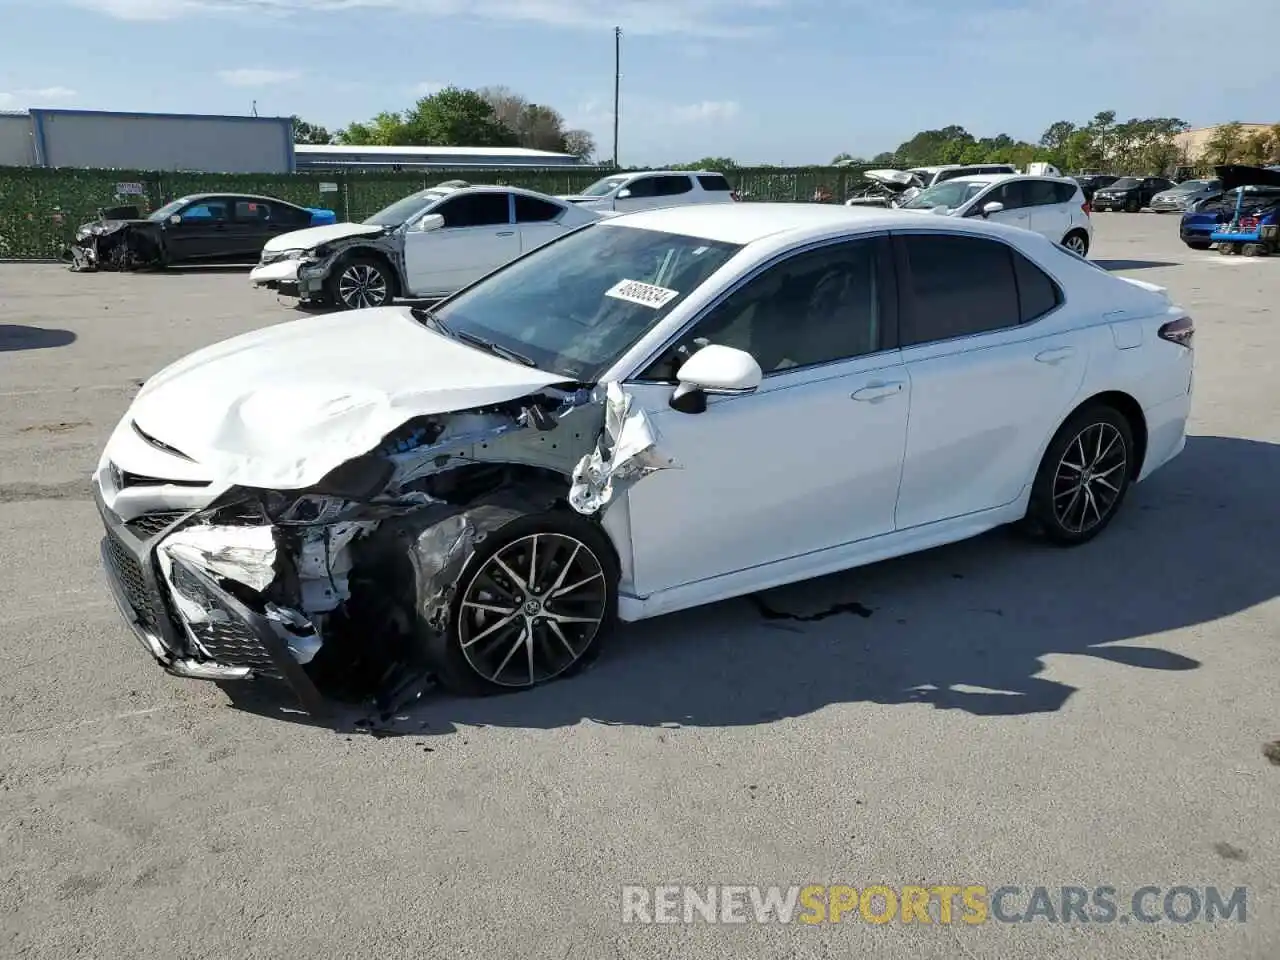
(103, 227)
(280, 407)
(314, 236)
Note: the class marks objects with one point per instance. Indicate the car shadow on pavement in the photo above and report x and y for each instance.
(1133, 264)
(19, 337)
(964, 627)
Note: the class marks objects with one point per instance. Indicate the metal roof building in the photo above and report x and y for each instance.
(146, 141)
(345, 157)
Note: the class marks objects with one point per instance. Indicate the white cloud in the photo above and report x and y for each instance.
(257, 77)
(38, 97)
(708, 111)
(707, 18)
(428, 87)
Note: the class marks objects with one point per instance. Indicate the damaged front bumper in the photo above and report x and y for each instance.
(230, 642)
(281, 276)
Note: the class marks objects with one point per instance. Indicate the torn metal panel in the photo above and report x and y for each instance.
(116, 245)
(625, 453)
(244, 554)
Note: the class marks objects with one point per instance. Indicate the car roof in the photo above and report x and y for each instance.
(195, 197)
(745, 223)
(1003, 177)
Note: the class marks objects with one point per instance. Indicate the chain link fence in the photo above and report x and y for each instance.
(40, 208)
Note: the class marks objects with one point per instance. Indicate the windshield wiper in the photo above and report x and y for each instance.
(496, 349)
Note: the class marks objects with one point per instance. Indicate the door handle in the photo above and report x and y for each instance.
(1055, 354)
(507, 233)
(875, 392)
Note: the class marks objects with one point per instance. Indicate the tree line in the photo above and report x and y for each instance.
(1138, 145)
(454, 117)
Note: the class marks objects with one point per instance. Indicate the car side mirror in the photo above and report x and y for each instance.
(715, 370)
(623, 194)
(994, 206)
(432, 221)
(175, 219)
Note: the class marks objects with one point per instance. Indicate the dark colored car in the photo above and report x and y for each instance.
(202, 228)
(1129, 194)
(1260, 204)
(1090, 183)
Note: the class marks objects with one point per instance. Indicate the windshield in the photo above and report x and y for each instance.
(602, 188)
(169, 209)
(1124, 183)
(565, 306)
(1193, 186)
(400, 211)
(951, 194)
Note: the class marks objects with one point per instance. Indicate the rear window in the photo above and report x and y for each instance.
(714, 182)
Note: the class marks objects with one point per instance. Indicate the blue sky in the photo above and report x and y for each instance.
(762, 81)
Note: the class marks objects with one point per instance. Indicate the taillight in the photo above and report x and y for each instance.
(1178, 331)
(1087, 207)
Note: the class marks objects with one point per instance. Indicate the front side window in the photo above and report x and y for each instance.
(643, 187)
(816, 307)
(576, 305)
(957, 286)
(475, 210)
(205, 211)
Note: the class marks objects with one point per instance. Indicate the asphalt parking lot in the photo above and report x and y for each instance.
(994, 712)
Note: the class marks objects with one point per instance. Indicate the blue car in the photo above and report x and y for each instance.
(1252, 196)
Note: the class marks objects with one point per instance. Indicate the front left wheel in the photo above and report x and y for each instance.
(535, 602)
(1084, 476)
(362, 282)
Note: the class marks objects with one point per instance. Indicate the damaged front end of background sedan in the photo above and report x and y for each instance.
(119, 240)
(346, 590)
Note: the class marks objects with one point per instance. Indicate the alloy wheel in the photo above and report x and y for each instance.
(362, 285)
(1076, 244)
(1090, 478)
(532, 609)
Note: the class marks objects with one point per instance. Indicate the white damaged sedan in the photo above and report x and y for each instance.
(654, 412)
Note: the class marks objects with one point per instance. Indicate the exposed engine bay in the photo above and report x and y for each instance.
(117, 242)
(344, 590)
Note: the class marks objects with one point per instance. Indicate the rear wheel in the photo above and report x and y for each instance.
(361, 282)
(1077, 241)
(1131, 205)
(1083, 477)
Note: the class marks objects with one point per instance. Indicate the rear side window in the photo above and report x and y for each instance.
(252, 210)
(1064, 192)
(714, 183)
(957, 286)
(672, 186)
(1037, 293)
(1040, 193)
(533, 210)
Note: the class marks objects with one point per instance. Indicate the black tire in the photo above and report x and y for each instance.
(1132, 205)
(1077, 241)
(1227, 249)
(462, 656)
(361, 282)
(1100, 439)
(1198, 244)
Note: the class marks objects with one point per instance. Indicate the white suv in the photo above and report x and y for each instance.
(650, 189)
(1051, 206)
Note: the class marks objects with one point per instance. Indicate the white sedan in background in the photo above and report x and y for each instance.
(1053, 207)
(429, 244)
(658, 411)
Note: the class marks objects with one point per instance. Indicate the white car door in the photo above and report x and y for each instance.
(993, 373)
(1050, 208)
(1013, 195)
(477, 237)
(810, 460)
(537, 221)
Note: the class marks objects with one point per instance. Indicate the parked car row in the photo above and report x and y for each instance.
(478, 491)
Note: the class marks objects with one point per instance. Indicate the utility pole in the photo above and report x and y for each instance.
(617, 87)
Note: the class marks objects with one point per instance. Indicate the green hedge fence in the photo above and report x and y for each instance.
(40, 208)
